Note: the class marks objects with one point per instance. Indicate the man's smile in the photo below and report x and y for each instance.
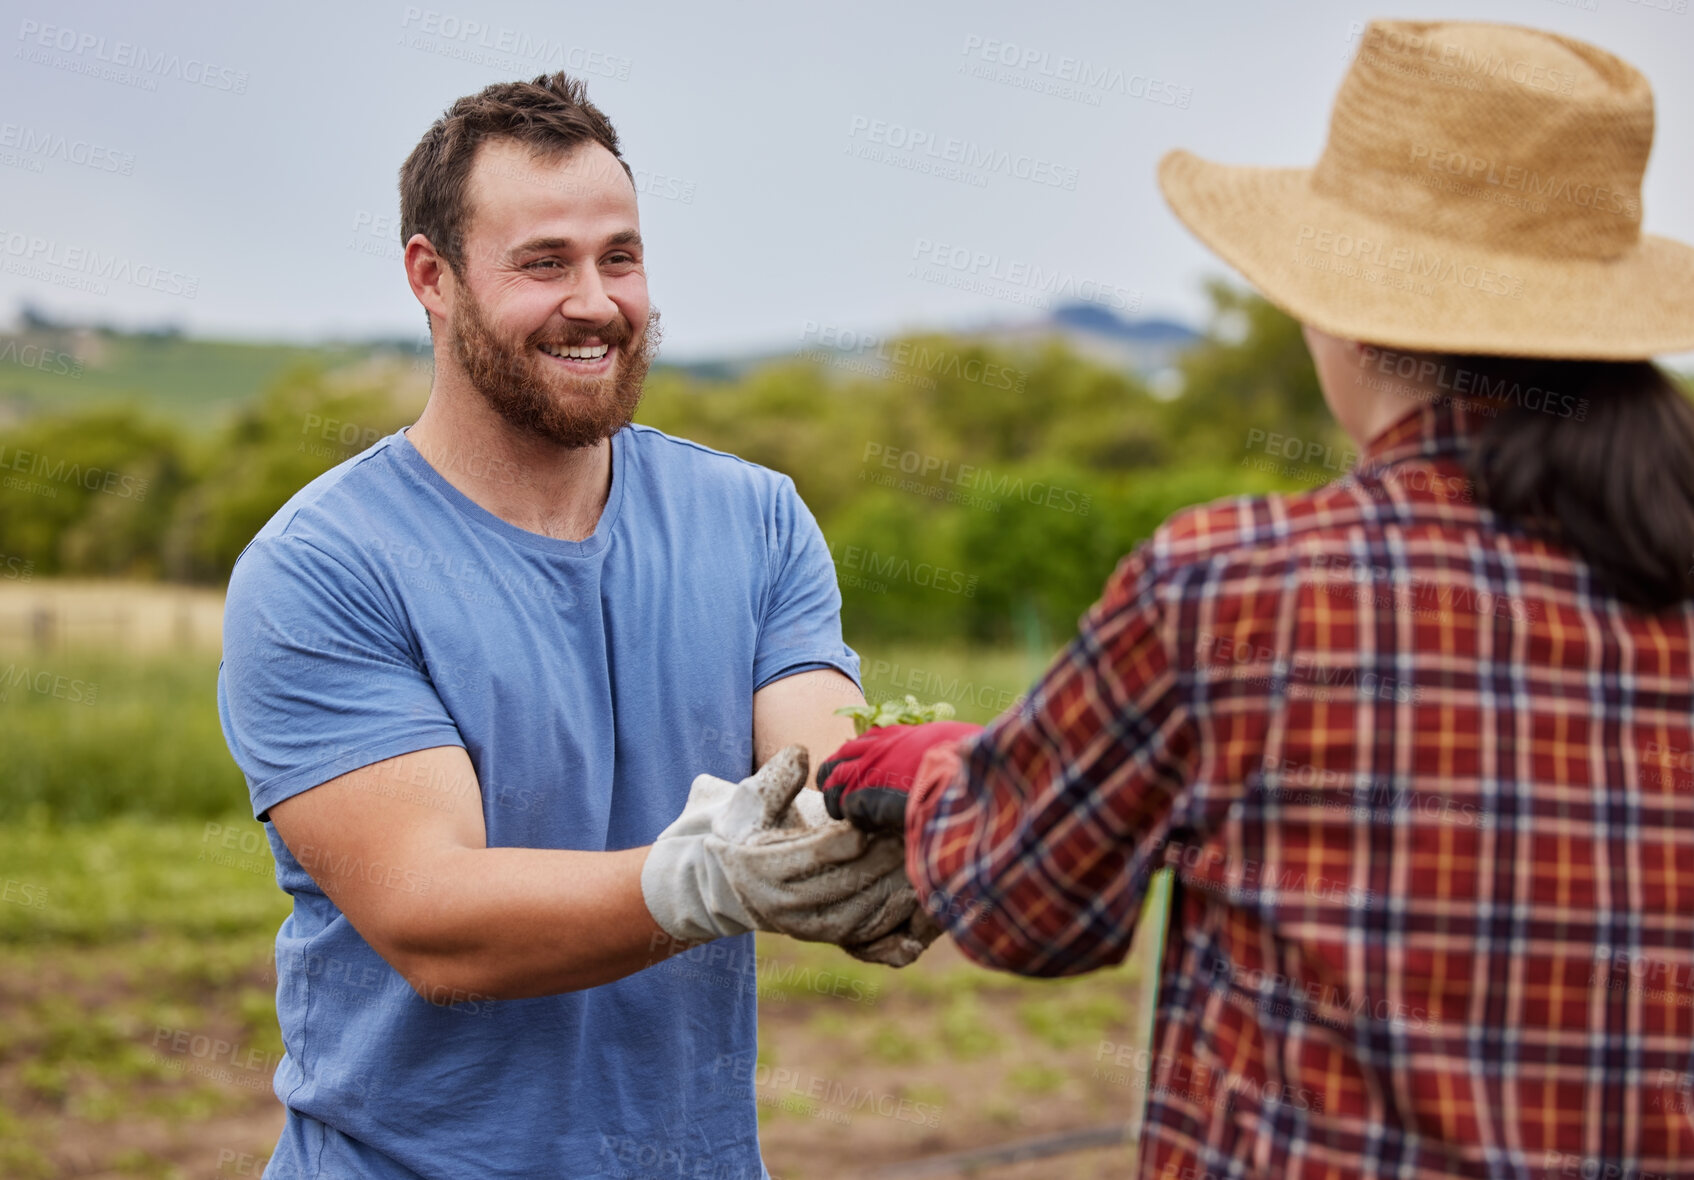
(582, 358)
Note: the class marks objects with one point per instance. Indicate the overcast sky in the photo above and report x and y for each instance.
(253, 181)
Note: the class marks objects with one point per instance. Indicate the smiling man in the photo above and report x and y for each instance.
(470, 675)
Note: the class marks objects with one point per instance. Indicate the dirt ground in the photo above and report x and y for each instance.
(942, 1057)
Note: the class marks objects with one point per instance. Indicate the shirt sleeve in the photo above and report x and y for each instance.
(317, 677)
(801, 627)
(1036, 846)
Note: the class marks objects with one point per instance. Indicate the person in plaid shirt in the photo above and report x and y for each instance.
(1416, 744)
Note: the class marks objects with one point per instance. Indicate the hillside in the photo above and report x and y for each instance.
(195, 383)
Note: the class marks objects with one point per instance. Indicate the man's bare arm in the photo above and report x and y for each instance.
(400, 848)
(801, 709)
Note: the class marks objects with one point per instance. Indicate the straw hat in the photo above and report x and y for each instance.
(1480, 192)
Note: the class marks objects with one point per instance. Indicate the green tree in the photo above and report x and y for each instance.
(1253, 372)
(301, 427)
(90, 492)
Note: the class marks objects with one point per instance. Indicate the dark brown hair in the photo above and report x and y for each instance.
(1600, 456)
(551, 114)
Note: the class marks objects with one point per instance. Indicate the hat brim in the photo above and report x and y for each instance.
(1359, 278)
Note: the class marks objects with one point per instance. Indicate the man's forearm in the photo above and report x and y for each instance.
(511, 923)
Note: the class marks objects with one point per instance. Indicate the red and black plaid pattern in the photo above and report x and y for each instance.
(1429, 795)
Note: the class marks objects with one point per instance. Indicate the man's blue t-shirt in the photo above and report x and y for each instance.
(382, 611)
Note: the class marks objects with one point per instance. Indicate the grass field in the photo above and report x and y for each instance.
(138, 909)
(139, 1034)
(195, 382)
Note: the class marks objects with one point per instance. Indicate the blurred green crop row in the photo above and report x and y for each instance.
(144, 740)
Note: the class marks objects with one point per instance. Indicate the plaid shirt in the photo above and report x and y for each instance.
(1429, 796)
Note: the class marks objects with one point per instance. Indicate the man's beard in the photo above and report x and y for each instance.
(536, 396)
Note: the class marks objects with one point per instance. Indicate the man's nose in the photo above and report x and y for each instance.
(588, 300)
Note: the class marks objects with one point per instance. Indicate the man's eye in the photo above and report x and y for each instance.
(621, 259)
(543, 262)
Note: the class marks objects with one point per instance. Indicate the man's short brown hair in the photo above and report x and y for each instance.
(551, 114)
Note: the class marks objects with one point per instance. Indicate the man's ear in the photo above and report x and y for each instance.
(429, 275)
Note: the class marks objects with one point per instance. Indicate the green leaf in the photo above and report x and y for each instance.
(891, 712)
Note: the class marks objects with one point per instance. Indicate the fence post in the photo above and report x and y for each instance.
(41, 628)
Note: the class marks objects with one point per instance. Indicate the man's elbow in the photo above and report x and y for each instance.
(447, 986)
(447, 979)
(443, 975)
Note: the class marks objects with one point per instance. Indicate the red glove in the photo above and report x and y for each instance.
(869, 779)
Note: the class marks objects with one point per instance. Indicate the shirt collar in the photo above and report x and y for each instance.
(1440, 427)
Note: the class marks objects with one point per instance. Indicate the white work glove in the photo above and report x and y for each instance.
(762, 854)
(903, 944)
